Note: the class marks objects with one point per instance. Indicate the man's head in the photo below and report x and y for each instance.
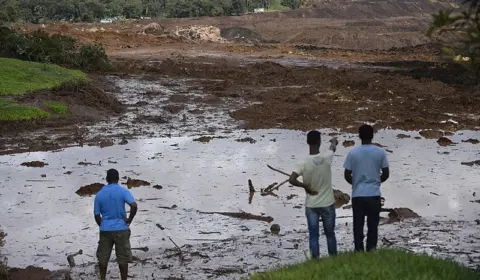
(314, 138)
(366, 132)
(112, 176)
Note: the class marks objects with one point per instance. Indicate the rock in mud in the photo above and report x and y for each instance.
(403, 136)
(399, 214)
(106, 143)
(275, 229)
(123, 142)
(471, 163)
(444, 141)
(39, 164)
(247, 139)
(472, 141)
(89, 189)
(135, 183)
(341, 198)
(348, 143)
(158, 187)
(431, 134)
(206, 139)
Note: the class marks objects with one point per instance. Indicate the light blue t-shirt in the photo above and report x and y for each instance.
(366, 162)
(110, 204)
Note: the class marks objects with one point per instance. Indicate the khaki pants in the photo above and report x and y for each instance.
(121, 240)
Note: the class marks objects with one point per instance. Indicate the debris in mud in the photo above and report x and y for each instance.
(223, 271)
(348, 143)
(71, 258)
(68, 173)
(152, 119)
(475, 201)
(472, 163)
(209, 232)
(123, 142)
(206, 139)
(403, 136)
(173, 109)
(291, 196)
(247, 139)
(198, 33)
(158, 187)
(89, 189)
(34, 164)
(160, 226)
(251, 191)
(431, 134)
(106, 143)
(341, 198)
(135, 183)
(379, 145)
(88, 163)
(472, 141)
(444, 141)
(241, 215)
(152, 28)
(275, 229)
(399, 214)
(173, 207)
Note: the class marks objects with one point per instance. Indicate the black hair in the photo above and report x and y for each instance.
(313, 138)
(366, 132)
(113, 176)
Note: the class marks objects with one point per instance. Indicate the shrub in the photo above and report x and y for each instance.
(39, 46)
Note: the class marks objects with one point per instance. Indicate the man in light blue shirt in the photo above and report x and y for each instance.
(111, 217)
(366, 167)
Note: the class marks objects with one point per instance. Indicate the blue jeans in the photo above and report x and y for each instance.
(328, 218)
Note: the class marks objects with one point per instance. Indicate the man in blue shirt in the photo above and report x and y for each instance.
(362, 170)
(111, 217)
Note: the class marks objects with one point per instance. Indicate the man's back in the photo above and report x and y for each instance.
(110, 204)
(316, 172)
(366, 162)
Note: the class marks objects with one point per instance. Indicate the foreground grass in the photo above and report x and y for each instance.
(19, 77)
(56, 107)
(378, 265)
(21, 113)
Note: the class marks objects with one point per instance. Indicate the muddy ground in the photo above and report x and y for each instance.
(335, 66)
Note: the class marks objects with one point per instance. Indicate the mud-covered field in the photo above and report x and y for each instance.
(181, 112)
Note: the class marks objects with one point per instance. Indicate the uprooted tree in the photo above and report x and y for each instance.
(458, 30)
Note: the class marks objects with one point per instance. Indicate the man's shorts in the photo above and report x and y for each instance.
(121, 240)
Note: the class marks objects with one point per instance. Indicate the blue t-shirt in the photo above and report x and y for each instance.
(366, 162)
(110, 204)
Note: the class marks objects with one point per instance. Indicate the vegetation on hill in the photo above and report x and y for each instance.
(378, 265)
(39, 11)
(458, 29)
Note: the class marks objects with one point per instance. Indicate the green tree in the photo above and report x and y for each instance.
(292, 4)
(458, 30)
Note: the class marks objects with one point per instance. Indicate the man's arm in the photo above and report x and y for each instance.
(348, 176)
(385, 174)
(294, 181)
(133, 206)
(96, 211)
(385, 168)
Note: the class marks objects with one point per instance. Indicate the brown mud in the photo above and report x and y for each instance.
(89, 190)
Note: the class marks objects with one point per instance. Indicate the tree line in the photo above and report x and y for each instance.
(39, 11)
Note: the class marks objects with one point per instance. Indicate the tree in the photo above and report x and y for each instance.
(458, 30)
(292, 4)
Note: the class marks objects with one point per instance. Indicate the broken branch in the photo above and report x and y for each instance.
(278, 170)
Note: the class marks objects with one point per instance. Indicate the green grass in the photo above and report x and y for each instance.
(21, 113)
(19, 77)
(379, 265)
(56, 107)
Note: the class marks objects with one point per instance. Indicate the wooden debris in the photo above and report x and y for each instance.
(251, 191)
(182, 258)
(209, 232)
(71, 258)
(39, 164)
(144, 249)
(279, 171)
(242, 216)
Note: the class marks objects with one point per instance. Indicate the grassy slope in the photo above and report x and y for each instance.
(378, 265)
(19, 77)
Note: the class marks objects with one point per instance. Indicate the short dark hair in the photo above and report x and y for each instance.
(113, 176)
(365, 132)
(314, 137)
